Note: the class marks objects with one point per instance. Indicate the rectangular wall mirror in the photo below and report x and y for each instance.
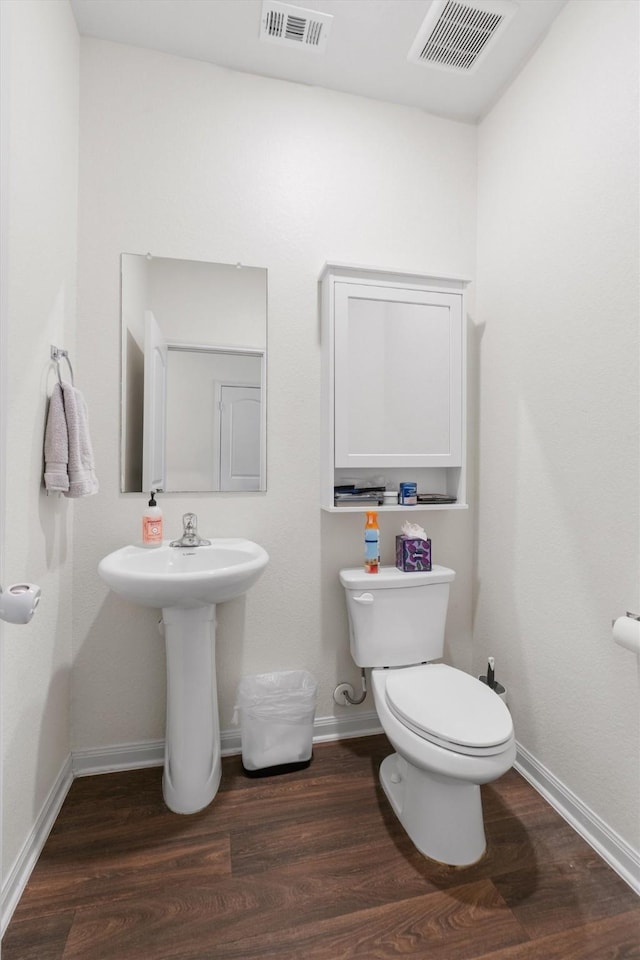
(194, 355)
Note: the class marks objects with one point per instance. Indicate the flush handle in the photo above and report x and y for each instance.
(364, 598)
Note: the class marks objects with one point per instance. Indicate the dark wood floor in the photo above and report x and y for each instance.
(311, 865)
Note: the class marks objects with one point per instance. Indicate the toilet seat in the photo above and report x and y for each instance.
(449, 708)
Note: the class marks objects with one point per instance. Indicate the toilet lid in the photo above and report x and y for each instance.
(450, 708)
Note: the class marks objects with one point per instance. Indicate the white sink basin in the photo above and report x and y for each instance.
(184, 576)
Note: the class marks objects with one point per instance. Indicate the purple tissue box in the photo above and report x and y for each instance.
(412, 555)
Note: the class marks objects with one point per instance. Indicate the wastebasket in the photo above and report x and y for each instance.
(276, 712)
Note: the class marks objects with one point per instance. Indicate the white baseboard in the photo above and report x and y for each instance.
(16, 881)
(121, 756)
(150, 753)
(615, 851)
(361, 724)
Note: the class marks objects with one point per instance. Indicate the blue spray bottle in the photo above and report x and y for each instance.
(371, 543)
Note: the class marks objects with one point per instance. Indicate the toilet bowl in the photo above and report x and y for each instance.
(451, 732)
(434, 789)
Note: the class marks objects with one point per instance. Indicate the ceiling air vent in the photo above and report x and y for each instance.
(456, 34)
(294, 26)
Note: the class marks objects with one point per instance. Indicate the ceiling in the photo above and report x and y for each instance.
(366, 53)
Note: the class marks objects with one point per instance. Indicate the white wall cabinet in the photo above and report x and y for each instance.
(393, 381)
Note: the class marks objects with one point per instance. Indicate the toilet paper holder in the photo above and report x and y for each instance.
(18, 602)
(626, 632)
(632, 616)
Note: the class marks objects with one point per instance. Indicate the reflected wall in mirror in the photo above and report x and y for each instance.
(194, 352)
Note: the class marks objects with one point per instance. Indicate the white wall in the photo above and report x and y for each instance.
(557, 309)
(188, 160)
(42, 193)
(216, 304)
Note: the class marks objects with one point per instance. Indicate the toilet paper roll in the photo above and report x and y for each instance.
(18, 602)
(626, 632)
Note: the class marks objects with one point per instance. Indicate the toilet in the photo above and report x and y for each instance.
(451, 732)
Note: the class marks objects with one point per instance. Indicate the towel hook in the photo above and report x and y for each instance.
(58, 354)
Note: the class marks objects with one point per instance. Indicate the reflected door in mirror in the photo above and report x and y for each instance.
(239, 437)
(154, 417)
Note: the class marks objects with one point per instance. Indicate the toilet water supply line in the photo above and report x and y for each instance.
(345, 695)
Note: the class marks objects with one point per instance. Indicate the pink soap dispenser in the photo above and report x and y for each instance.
(152, 524)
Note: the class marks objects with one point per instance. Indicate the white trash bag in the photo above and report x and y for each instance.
(276, 713)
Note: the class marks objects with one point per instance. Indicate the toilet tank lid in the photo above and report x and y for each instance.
(389, 577)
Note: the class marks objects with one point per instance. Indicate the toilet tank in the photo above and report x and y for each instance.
(396, 618)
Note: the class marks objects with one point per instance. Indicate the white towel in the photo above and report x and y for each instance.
(69, 466)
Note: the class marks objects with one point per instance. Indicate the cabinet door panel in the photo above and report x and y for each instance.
(398, 369)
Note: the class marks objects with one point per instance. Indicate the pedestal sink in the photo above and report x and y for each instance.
(186, 583)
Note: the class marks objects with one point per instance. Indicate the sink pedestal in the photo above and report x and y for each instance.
(192, 766)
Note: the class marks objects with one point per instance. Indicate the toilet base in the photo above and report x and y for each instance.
(443, 817)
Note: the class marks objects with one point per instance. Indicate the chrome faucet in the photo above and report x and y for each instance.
(190, 536)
